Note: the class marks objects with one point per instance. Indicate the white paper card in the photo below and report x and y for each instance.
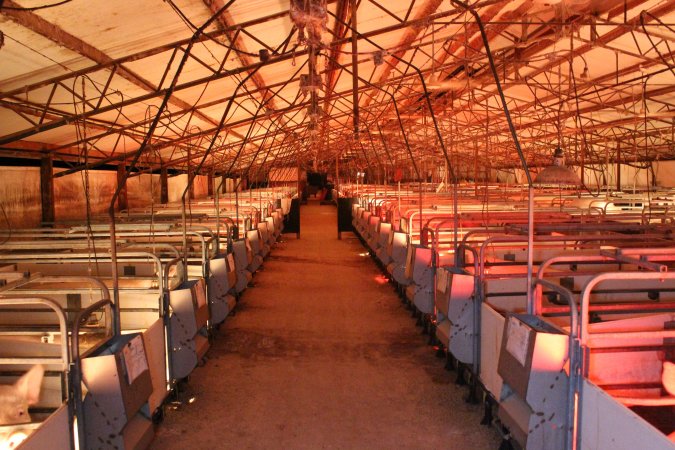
(200, 294)
(518, 340)
(442, 280)
(134, 358)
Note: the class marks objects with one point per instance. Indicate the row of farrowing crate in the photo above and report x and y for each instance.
(106, 383)
(588, 347)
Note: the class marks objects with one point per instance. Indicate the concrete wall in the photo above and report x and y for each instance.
(144, 190)
(515, 176)
(201, 184)
(20, 194)
(20, 197)
(70, 194)
(664, 173)
(176, 187)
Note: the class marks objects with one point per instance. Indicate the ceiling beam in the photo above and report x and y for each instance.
(411, 33)
(226, 23)
(40, 26)
(421, 22)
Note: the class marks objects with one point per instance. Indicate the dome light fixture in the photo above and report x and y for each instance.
(557, 174)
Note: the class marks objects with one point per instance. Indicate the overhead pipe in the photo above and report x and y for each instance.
(386, 151)
(211, 35)
(236, 157)
(360, 146)
(398, 115)
(384, 145)
(255, 156)
(388, 154)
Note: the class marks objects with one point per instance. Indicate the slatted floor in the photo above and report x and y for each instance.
(322, 354)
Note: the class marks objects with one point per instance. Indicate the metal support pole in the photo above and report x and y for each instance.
(355, 69)
(47, 189)
(122, 199)
(164, 185)
(618, 166)
(530, 244)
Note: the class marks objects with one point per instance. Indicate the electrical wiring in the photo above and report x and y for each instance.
(193, 27)
(99, 87)
(81, 132)
(100, 93)
(644, 29)
(171, 125)
(94, 83)
(581, 126)
(649, 166)
(63, 66)
(174, 120)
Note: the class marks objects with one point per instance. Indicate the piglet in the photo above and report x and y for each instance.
(15, 398)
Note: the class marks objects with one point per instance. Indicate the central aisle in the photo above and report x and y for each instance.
(322, 354)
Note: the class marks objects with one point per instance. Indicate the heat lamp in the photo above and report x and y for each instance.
(557, 173)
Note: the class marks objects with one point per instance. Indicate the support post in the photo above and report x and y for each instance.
(164, 185)
(336, 184)
(191, 185)
(47, 189)
(618, 166)
(122, 198)
(209, 188)
(582, 172)
(530, 245)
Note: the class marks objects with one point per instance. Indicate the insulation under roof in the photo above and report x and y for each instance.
(246, 83)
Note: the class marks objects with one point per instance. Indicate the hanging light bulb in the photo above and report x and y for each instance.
(584, 73)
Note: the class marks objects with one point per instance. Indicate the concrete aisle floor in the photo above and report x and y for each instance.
(322, 354)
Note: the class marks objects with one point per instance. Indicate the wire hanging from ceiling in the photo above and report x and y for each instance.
(83, 158)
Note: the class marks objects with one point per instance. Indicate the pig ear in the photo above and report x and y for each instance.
(30, 383)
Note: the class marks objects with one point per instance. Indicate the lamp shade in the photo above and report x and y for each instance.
(557, 175)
